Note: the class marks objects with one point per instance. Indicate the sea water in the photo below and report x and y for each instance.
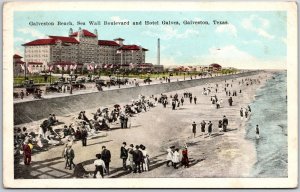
(269, 111)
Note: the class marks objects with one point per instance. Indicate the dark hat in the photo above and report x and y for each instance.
(103, 147)
(137, 146)
(124, 143)
(131, 145)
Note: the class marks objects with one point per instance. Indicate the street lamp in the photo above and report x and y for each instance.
(118, 77)
(93, 63)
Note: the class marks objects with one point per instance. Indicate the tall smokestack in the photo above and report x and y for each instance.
(158, 51)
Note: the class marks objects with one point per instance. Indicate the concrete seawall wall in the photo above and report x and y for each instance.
(25, 112)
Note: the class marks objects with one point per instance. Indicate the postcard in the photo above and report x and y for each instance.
(150, 95)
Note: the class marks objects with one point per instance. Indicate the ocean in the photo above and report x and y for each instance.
(269, 111)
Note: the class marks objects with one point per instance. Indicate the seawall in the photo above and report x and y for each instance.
(29, 111)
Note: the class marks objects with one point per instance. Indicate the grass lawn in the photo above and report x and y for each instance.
(39, 79)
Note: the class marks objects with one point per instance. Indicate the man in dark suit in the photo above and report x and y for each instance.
(124, 155)
(225, 123)
(137, 158)
(105, 154)
(84, 135)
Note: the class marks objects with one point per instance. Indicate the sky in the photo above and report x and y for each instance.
(250, 40)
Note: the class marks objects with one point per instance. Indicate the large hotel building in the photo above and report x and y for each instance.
(83, 48)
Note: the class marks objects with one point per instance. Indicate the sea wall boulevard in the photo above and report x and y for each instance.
(25, 112)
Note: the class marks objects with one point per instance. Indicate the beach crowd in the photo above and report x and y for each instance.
(134, 158)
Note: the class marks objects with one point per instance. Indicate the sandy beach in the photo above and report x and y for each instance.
(221, 155)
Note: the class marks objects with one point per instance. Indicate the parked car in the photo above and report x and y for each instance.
(101, 82)
(77, 85)
(52, 88)
(147, 80)
(81, 79)
(30, 86)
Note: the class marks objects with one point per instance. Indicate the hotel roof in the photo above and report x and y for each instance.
(86, 33)
(65, 39)
(107, 43)
(40, 42)
(119, 39)
(16, 56)
(132, 47)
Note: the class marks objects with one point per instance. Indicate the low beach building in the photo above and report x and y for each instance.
(214, 67)
(18, 64)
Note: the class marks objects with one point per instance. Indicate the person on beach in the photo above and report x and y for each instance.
(203, 127)
(257, 132)
(173, 104)
(142, 159)
(105, 155)
(70, 156)
(194, 126)
(230, 101)
(225, 123)
(169, 157)
(220, 125)
(176, 158)
(182, 100)
(145, 158)
(99, 166)
(246, 114)
(249, 108)
(210, 128)
(185, 158)
(27, 153)
(130, 157)
(124, 155)
(218, 104)
(242, 113)
(78, 134)
(195, 100)
(84, 135)
(137, 158)
(64, 154)
(22, 94)
(191, 98)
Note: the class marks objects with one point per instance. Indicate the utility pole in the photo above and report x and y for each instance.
(158, 51)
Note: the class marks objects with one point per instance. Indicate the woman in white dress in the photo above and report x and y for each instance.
(176, 158)
(146, 159)
(169, 156)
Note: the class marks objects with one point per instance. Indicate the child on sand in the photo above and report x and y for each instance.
(257, 132)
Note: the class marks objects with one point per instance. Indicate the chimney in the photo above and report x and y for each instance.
(119, 41)
(158, 51)
(70, 31)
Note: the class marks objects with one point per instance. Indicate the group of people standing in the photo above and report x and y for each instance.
(203, 127)
(137, 156)
(176, 159)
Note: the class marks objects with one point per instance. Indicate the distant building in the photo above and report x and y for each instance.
(158, 68)
(18, 64)
(215, 67)
(82, 49)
